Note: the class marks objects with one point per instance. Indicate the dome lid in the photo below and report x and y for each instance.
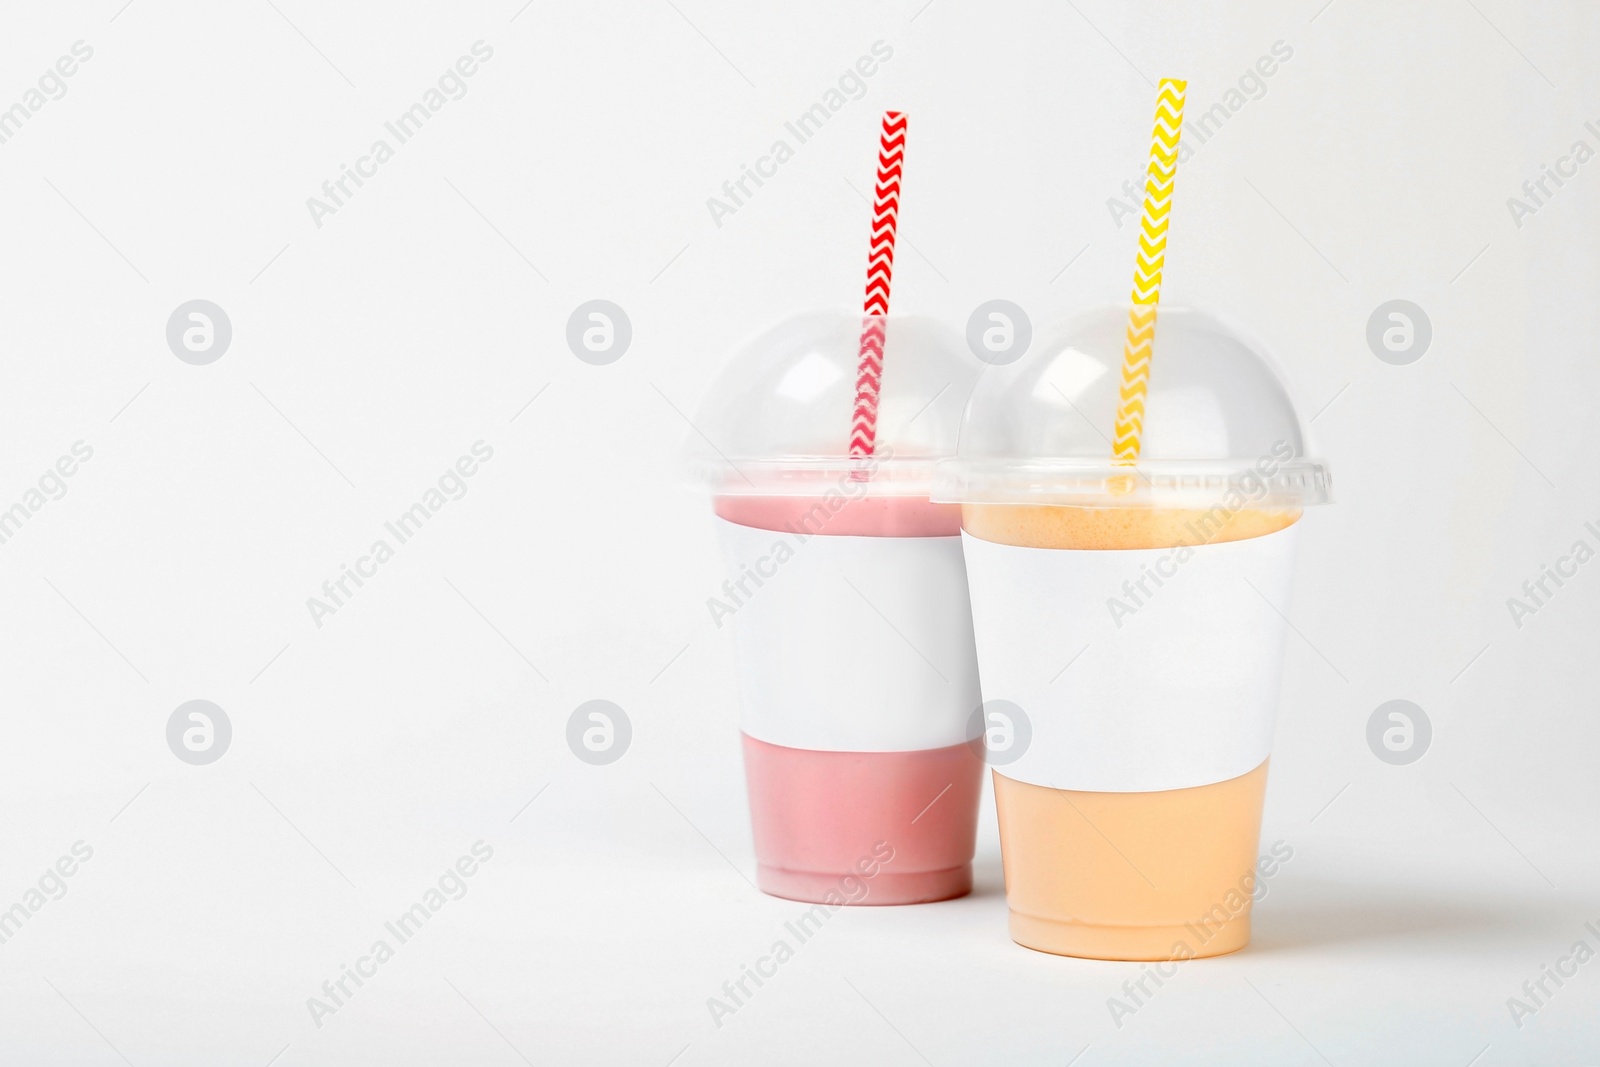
(777, 419)
(1218, 423)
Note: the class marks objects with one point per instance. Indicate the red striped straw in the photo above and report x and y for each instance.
(880, 268)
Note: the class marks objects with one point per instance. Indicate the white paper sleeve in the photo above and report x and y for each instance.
(850, 644)
(1175, 658)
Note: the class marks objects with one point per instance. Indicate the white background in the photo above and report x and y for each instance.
(370, 353)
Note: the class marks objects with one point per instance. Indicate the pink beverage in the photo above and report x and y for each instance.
(847, 598)
(818, 811)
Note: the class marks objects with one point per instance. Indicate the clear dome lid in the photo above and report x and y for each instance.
(777, 419)
(1218, 423)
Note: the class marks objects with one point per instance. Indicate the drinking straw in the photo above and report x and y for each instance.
(1137, 345)
(880, 268)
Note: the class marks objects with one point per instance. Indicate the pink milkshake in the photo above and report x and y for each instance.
(848, 603)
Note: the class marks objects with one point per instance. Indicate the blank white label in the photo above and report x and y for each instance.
(1177, 687)
(851, 644)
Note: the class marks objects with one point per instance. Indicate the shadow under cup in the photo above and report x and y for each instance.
(1160, 875)
(839, 821)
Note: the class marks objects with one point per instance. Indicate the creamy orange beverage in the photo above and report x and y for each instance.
(1127, 876)
(1130, 616)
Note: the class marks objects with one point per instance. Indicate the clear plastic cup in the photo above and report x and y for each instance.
(847, 598)
(1131, 623)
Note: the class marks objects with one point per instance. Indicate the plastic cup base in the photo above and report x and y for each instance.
(906, 887)
(863, 827)
(1094, 941)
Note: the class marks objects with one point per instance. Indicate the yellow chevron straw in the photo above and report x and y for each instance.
(1136, 349)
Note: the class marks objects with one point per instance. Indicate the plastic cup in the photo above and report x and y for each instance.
(847, 598)
(1130, 626)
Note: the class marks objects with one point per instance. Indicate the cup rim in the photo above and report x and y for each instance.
(1155, 483)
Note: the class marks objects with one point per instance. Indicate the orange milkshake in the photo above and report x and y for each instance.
(1134, 875)
(1131, 615)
